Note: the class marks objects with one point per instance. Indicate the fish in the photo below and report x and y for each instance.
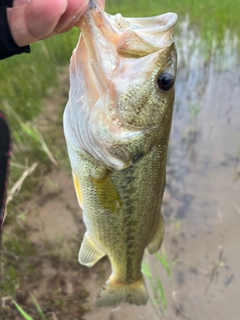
(117, 123)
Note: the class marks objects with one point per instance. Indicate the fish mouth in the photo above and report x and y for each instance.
(128, 37)
(147, 35)
(111, 40)
(111, 54)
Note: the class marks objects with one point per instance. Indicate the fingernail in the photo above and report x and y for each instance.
(78, 14)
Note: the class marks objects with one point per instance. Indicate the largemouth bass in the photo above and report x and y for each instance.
(117, 124)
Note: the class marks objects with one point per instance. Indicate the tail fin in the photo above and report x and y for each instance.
(114, 292)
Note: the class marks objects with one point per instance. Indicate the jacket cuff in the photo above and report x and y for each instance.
(6, 3)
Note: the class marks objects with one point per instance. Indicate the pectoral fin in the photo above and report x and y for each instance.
(107, 194)
(89, 254)
(157, 239)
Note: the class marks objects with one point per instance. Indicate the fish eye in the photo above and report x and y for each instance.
(165, 80)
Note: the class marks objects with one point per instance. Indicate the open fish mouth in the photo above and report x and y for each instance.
(112, 35)
(113, 61)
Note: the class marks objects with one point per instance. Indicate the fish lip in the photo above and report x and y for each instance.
(155, 24)
(154, 33)
(162, 28)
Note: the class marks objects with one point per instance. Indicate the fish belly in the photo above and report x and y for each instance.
(121, 211)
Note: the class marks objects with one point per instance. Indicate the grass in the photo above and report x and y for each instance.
(157, 294)
(25, 81)
(208, 28)
(27, 316)
(25, 264)
(22, 312)
(211, 18)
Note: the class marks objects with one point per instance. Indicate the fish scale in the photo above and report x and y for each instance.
(117, 124)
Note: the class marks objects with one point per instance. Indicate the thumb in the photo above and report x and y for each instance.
(34, 20)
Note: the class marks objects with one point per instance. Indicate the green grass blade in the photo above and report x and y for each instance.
(162, 294)
(146, 271)
(22, 312)
(174, 263)
(38, 307)
(162, 259)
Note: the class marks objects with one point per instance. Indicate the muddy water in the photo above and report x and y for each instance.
(202, 198)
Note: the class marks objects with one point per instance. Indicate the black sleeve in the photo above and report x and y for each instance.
(5, 154)
(6, 3)
(8, 46)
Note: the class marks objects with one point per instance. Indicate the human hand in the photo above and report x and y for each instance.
(39, 19)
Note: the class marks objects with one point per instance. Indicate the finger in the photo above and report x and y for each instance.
(35, 20)
(17, 3)
(101, 4)
(66, 29)
(74, 11)
(69, 27)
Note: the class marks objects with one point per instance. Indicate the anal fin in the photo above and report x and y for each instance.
(89, 254)
(157, 239)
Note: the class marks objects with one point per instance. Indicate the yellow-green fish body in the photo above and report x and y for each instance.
(117, 124)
